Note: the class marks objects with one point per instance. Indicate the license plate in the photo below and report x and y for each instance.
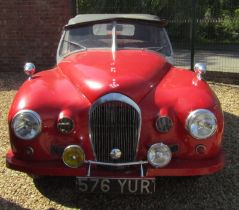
(113, 185)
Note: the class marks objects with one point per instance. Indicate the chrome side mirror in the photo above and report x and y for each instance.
(29, 69)
(199, 69)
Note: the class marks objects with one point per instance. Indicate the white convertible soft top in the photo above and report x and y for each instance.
(86, 18)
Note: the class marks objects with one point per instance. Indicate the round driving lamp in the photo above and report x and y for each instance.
(159, 155)
(73, 156)
(201, 124)
(163, 124)
(26, 124)
(65, 125)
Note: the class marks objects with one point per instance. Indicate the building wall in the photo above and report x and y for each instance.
(30, 31)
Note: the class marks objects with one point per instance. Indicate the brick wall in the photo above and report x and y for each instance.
(30, 31)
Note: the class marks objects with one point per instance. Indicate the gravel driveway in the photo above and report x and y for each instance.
(218, 191)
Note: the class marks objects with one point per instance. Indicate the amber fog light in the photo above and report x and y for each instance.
(159, 155)
(73, 156)
(65, 125)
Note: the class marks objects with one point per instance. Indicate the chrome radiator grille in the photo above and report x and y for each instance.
(115, 122)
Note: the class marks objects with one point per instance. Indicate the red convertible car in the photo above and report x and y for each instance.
(114, 112)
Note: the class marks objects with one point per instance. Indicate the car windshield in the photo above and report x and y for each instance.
(124, 35)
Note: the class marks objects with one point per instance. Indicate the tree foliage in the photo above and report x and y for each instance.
(216, 19)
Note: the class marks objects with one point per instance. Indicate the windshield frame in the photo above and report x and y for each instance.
(114, 46)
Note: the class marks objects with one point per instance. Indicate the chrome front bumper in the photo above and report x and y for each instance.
(141, 163)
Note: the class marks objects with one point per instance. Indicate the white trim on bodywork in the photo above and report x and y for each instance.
(59, 58)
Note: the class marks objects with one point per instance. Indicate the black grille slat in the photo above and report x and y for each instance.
(114, 124)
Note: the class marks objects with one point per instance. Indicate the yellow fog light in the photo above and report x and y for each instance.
(73, 156)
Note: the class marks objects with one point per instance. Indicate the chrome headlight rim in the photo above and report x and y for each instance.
(35, 115)
(195, 113)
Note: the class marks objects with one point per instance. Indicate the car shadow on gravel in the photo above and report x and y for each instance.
(5, 204)
(217, 191)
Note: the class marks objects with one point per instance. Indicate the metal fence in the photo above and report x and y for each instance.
(200, 30)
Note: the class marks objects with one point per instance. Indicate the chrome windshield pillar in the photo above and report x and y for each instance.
(114, 46)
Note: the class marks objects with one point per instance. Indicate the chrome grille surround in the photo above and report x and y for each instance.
(115, 123)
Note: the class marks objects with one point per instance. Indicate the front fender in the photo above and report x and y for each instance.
(45, 95)
(179, 93)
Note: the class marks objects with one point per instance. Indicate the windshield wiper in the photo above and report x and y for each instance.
(155, 48)
(76, 44)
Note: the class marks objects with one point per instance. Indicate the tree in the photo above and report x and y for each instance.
(217, 19)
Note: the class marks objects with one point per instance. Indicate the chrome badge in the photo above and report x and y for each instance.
(115, 154)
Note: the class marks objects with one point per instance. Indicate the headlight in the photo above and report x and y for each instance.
(159, 155)
(201, 123)
(26, 124)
